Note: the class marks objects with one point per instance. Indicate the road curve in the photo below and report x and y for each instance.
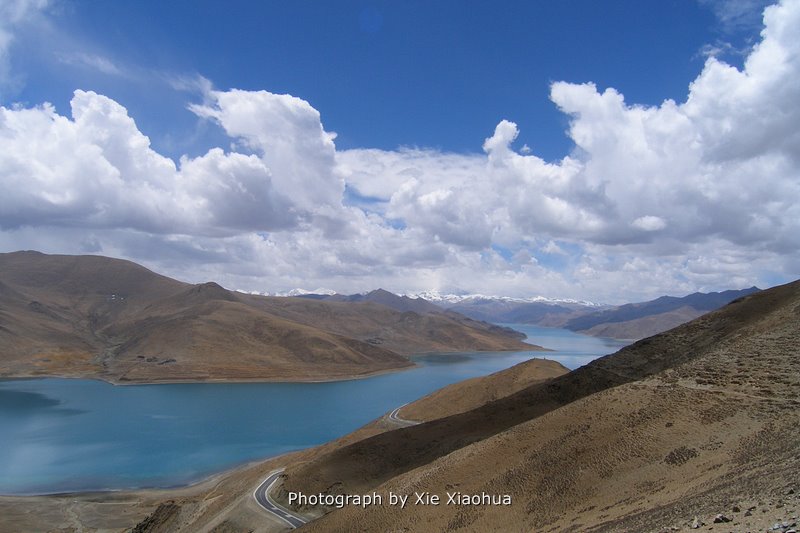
(261, 494)
(394, 417)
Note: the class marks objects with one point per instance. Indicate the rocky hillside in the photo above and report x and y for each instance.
(687, 424)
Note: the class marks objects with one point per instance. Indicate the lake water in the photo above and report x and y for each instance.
(60, 435)
(570, 349)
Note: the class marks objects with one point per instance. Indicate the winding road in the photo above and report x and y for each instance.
(261, 494)
(394, 417)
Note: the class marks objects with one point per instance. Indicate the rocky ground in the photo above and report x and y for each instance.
(776, 513)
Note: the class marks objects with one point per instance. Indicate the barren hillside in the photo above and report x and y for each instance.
(691, 422)
(665, 434)
(95, 316)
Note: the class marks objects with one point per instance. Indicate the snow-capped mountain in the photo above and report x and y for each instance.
(452, 299)
(303, 292)
(293, 292)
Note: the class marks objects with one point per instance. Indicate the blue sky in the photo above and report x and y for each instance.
(451, 145)
(383, 74)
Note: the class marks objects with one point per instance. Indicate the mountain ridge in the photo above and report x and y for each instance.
(678, 423)
(94, 316)
(631, 321)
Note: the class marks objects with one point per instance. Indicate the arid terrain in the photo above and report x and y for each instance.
(472, 393)
(92, 316)
(692, 422)
(274, 265)
(664, 435)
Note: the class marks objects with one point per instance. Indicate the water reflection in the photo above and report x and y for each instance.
(18, 403)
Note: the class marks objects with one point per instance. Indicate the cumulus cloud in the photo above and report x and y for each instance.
(681, 196)
(288, 135)
(721, 167)
(722, 164)
(97, 170)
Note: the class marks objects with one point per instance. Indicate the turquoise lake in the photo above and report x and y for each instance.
(59, 435)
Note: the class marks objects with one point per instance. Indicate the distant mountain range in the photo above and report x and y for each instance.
(99, 317)
(451, 299)
(630, 321)
(382, 297)
(639, 320)
(95, 316)
(436, 297)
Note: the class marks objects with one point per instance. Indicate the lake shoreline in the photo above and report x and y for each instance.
(107, 492)
(261, 420)
(173, 381)
(119, 509)
(163, 492)
(332, 379)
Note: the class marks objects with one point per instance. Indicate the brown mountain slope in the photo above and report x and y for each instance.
(472, 393)
(100, 317)
(643, 319)
(647, 326)
(383, 297)
(691, 421)
(52, 324)
(220, 338)
(402, 332)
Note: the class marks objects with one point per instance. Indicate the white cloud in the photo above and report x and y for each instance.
(702, 194)
(735, 14)
(649, 223)
(98, 170)
(92, 61)
(288, 135)
(552, 248)
(380, 173)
